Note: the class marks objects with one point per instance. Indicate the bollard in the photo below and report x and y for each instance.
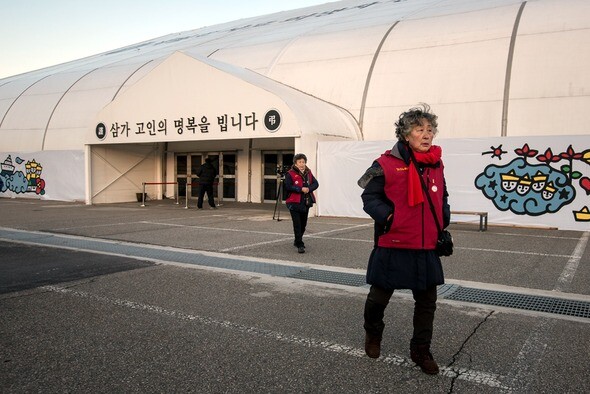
(143, 195)
(186, 191)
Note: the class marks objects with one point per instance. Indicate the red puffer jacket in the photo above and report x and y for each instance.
(413, 227)
(294, 181)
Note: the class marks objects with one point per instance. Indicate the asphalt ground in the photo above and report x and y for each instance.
(79, 319)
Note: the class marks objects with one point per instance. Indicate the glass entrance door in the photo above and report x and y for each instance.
(227, 176)
(225, 186)
(186, 174)
(274, 166)
(187, 166)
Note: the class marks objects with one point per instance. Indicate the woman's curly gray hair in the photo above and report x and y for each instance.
(414, 117)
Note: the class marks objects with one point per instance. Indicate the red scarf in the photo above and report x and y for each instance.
(415, 195)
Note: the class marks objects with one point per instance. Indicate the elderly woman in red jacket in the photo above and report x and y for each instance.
(299, 185)
(406, 231)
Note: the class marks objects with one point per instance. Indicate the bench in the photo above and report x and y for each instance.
(483, 218)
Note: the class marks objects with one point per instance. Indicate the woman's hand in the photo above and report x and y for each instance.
(305, 190)
(388, 224)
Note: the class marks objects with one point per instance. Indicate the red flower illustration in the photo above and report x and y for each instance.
(526, 151)
(548, 157)
(570, 154)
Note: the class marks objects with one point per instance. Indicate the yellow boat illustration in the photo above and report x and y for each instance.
(539, 180)
(583, 215)
(511, 176)
(509, 181)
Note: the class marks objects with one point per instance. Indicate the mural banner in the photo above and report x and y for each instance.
(45, 175)
(523, 181)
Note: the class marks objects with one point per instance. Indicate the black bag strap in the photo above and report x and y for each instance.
(426, 192)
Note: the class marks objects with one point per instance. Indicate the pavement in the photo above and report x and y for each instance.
(161, 298)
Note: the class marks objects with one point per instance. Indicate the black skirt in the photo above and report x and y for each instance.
(392, 269)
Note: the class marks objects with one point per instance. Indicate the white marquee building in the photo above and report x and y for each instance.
(327, 80)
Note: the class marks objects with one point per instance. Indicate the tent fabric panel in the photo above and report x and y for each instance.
(545, 16)
(445, 68)
(118, 171)
(34, 107)
(333, 73)
(465, 7)
(78, 108)
(10, 91)
(523, 118)
(256, 57)
(30, 111)
(182, 79)
(550, 79)
(453, 29)
(456, 120)
(414, 80)
(22, 140)
(564, 71)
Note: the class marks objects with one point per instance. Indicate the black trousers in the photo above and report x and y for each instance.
(299, 224)
(424, 308)
(205, 188)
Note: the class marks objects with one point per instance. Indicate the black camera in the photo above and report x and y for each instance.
(282, 170)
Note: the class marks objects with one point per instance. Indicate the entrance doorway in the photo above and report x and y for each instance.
(274, 166)
(188, 164)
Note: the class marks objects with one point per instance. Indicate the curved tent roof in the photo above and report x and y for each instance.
(209, 86)
(488, 67)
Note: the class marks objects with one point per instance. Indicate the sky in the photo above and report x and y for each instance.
(39, 33)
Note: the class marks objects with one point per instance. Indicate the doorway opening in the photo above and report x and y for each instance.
(188, 164)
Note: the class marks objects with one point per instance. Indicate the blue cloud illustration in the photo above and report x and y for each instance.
(525, 189)
(16, 182)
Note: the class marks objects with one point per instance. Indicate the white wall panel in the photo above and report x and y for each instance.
(468, 163)
(40, 175)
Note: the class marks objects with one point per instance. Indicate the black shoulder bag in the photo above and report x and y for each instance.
(444, 243)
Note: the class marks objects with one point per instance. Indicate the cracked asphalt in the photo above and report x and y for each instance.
(76, 321)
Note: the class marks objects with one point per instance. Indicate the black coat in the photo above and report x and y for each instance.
(206, 173)
(391, 268)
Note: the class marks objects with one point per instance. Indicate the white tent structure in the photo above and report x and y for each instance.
(341, 71)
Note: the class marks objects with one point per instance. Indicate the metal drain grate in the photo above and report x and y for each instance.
(340, 278)
(522, 301)
(349, 279)
(451, 292)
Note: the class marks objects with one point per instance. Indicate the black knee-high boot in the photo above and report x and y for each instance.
(375, 305)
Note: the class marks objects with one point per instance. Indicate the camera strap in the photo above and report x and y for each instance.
(426, 192)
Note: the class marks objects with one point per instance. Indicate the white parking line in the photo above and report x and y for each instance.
(255, 244)
(533, 350)
(567, 256)
(477, 377)
(567, 275)
(213, 228)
